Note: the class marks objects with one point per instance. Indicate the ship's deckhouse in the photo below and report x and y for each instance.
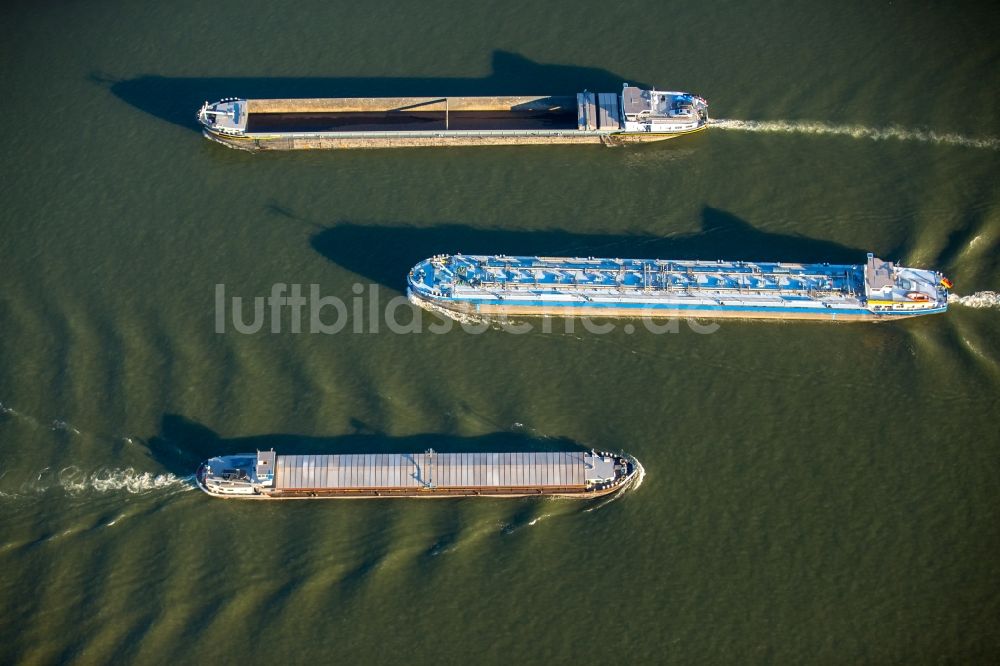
(659, 111)
(228, 116)
(893, 288)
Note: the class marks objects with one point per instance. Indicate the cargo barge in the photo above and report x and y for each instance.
(634, 115)
(458, 286)
(266, 475)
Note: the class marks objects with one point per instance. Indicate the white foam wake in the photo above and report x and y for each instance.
(640, 474)
(75, 481)
(461, 317)
(980, 299)
(856, 132)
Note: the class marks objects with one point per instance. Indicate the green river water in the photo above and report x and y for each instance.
(814, 492)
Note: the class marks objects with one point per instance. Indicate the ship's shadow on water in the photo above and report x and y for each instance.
(176, 99)
(385, 253)
(182, 444)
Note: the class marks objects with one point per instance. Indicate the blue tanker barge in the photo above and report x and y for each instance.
(877, 290)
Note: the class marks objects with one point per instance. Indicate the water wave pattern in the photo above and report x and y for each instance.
(511, 528)
(60, 425)
(980, 299)
(856, 132)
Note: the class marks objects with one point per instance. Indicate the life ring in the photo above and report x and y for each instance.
(917, 296)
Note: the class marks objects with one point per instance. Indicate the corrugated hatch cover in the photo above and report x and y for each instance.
(426, 470)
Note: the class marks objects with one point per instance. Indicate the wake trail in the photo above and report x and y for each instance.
(980, 299)
(128, 480)
(856, 132)
(77, 482)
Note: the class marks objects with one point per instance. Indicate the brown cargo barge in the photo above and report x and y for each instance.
(266, 475)
(634, 115)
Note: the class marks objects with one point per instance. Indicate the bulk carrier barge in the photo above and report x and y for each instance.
(634, 115)
(457, 285)
(266, 475)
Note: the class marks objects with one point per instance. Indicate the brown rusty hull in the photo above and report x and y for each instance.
(373, 493)
(624, 138)
(258, 144)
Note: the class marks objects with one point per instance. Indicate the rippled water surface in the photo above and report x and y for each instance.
(813, 492)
